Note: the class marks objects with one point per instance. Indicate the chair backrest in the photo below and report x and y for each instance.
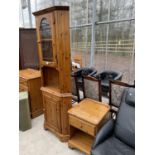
(125, 122)
(92, 88)
(116, 92)
(75, 90)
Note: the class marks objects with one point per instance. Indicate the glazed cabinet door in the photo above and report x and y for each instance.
(46, 40)
(52, 113)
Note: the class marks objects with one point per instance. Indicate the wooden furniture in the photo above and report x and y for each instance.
(28, 51)
(92, 88)
(115, 94)
(75, 89)
(30, 80)
(85, 120)
(53, 40)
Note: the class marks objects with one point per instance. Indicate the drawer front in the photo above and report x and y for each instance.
(82, 125)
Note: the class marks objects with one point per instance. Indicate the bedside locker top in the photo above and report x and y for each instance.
(90, 110)
(29, 74)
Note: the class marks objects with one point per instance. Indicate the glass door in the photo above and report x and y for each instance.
(46, 40)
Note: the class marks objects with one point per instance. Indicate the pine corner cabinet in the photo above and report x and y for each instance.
(53, 40)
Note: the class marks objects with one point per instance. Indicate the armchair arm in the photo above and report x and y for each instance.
(93, 73)
(104, 133)
(118, 77)
(100, 76)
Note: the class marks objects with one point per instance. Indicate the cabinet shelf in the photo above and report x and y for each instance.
(49, 64)
(81, 141)
(44, 40)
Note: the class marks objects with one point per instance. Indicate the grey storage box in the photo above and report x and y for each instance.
(24, 112)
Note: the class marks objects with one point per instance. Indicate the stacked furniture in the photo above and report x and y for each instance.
(54, 53)
(117, 136)
(30, 80)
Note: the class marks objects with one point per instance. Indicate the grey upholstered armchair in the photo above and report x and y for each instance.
(117, 137)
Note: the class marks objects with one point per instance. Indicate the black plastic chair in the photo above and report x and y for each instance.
(105, 77)
(84, 72)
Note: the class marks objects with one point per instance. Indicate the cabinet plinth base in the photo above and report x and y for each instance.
(62, 138)
(37, 113)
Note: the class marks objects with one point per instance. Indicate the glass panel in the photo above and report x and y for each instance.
(81, 43)
(102, 10)
(120, 50)
(45, 29)
(100, 47)
(46, 41)
(47, 50)
(121, 9)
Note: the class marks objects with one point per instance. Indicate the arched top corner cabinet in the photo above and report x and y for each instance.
(53, 35)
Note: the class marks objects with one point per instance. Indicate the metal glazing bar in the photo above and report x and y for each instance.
(29, 12)
(79, 26)
(35, 5)
(115, 21)
(107, 38)
(106, 22)
(86, 35)
(53, 2)
(93, 35)
(22, 15)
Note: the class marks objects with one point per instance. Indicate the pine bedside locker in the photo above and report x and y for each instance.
(85, 119)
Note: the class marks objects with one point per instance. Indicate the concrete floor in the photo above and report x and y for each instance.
(37, 141)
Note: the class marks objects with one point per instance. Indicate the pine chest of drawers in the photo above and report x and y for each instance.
(30, 80)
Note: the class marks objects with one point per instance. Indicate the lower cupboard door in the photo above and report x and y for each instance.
(52, 113)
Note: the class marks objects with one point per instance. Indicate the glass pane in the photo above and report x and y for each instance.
(81, 12)
(47, 50)
(81, 44)
(45, 29)
(46, 41)
(100, 47)
(120, 51)
(121, 9)
(102, 10)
